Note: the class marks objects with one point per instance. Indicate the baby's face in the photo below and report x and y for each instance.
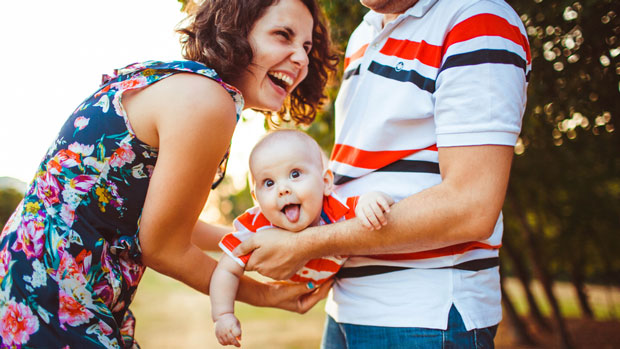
(289, 185)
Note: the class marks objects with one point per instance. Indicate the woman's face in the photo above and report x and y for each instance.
(281, 40)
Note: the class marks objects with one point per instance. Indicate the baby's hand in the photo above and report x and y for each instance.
(228, 330)
(371, 209)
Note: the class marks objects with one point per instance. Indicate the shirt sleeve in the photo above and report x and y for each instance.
(481, 86)
(231, 240)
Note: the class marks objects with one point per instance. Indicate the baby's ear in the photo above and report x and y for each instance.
(328, 180)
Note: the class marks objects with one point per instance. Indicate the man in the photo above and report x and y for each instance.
(429, 112)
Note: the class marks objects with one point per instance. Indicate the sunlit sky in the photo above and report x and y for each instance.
(53, 55)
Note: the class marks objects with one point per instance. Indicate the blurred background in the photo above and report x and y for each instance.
(561, 250)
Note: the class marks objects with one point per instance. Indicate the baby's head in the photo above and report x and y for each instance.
(288, 178)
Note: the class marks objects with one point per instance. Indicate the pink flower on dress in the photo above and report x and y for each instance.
(105, 328)
(83, 149)
(132, 272)
(64, 158)
(67, 214)
(81, 122)
(84, 260)
(69, 269)
(124, 154)
(72, 312)
(105, 293)
(5, 259)
(82, 183)
(17, 324)
(48, 189)
(30, 239)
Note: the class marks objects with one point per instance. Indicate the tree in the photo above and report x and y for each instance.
(9, 199)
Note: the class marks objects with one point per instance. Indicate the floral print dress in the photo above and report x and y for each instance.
(69, 254)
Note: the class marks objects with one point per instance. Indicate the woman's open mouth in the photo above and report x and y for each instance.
(281, 80)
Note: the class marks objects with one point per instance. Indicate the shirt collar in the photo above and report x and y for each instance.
(420, 8)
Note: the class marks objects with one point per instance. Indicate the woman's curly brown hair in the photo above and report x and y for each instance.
(216, 35)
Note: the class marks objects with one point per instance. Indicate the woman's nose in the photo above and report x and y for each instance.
(300, 56)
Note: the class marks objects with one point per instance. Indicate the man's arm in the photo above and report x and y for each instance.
(463, 207)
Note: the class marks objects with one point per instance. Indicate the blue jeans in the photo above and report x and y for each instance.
(348, 336)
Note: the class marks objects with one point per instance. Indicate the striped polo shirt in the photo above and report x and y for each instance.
(315, 271)
(443, 74)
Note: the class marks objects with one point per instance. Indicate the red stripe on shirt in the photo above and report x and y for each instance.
(230, 242)
(440, 252)
(357, 54)
(405, 49)
(322, 264)
(252, 222)
(373, 160)
(486, 24)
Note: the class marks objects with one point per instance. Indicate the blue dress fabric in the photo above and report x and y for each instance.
(70, 255)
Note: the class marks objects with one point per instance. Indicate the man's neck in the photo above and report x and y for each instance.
(388, 17)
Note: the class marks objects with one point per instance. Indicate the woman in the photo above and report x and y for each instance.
(123, 185)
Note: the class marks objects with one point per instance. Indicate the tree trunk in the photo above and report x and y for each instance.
(520, 330)
(523, 276)
(578, 282)
(540, 271)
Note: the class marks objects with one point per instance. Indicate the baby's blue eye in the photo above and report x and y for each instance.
(268, 183)
(295, 173)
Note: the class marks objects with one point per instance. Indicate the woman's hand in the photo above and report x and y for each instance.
(275, 253)
(294, 296)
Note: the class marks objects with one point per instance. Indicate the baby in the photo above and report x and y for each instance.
(294, 191)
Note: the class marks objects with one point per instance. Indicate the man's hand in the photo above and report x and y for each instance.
(271, 253)
(371, 209)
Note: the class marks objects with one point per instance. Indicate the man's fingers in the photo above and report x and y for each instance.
(246, 247)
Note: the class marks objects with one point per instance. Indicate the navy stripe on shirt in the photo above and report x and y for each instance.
(397, 166)
(403, 75)
(350, 73)
(484, 56)
(458, 60)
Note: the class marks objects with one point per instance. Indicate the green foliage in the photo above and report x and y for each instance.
(344, 16)
(9, 199)
(566, 173)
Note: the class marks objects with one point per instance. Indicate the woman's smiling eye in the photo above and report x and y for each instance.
(283, 34)
(295, 173)
(268, 183)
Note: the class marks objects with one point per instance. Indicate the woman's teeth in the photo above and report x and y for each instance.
(287, 80)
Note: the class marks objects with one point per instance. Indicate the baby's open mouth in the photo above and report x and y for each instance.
(291, 211)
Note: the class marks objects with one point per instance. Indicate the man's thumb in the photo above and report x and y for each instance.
(246, 247)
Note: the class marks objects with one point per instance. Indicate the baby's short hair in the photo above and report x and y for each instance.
(314, 150)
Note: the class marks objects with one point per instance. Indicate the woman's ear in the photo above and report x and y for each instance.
(328, 181)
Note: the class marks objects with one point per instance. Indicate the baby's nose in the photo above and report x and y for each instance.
(284, 190)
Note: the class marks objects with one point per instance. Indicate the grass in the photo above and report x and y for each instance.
(605, 301)
(172, 315)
